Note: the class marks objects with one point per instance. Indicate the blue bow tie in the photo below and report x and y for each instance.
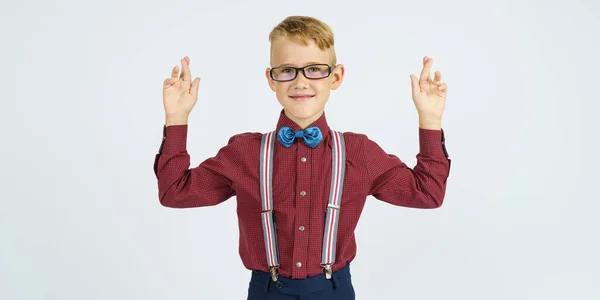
(312, 136)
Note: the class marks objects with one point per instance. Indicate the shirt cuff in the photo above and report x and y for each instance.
(174, 138)
(432, 142)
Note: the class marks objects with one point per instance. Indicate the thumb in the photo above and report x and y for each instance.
(194, 87)
(415, 84)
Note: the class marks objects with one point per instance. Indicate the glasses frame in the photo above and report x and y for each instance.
(301, 69)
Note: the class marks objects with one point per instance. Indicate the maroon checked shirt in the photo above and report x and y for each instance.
(301, 186)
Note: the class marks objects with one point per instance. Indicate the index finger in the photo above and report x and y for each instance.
(427, 61)
(185, 69)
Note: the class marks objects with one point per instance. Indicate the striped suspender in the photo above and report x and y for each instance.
(266, 192)
(333, 206)
(338, 160)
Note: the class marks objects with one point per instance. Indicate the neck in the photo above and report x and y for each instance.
(303, 123)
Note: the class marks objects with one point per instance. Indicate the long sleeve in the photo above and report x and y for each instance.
(392, 181)
(180, 186)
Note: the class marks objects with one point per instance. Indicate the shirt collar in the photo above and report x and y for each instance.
(321, 123)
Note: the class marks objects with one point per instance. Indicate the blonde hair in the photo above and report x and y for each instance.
(304, 29)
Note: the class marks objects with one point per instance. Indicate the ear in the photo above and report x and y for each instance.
(337, 75)
(269, 79)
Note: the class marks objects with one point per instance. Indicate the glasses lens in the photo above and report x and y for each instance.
(289, 73)
(317, 71)
(284, 74)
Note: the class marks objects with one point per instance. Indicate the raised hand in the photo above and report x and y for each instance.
(429, 95)
(180, 94)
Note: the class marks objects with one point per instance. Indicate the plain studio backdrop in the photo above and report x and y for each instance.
(82, 119)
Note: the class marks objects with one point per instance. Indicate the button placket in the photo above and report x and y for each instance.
(302, 206)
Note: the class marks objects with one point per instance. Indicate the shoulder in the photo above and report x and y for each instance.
(349, 135)
(244, 138)
(246, 146)
(242, 144)
(354, 142)
(360, 142)
(353, 138)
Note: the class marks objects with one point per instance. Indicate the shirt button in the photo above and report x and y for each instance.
(301, 228)
(298, 264)
(303, 159)
(303, 193)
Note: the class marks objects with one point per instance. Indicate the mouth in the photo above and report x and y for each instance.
(302, 97)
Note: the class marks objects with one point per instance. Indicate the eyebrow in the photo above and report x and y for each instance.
(305, 64)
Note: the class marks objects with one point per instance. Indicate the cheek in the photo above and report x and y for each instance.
(323, 88)
(281, 89)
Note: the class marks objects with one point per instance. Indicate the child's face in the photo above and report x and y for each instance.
(303, 99)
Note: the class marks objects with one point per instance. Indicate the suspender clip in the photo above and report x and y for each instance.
(274, 275)
(327, 271)
(331, 205)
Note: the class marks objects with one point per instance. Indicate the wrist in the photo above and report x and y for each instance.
(176, 120)
(430, 123)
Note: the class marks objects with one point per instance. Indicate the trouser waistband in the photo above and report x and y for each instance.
(299, 287)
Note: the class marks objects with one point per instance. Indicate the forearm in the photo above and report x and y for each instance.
(171, 165)
(173, 176)
(430, 178)
(433, 165)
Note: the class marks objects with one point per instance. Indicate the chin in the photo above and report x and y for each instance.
(302, 113)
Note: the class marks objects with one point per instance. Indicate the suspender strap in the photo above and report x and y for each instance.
(338, 160)
(266, 191)
(335, 198)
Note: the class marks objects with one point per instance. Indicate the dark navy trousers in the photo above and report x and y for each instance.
(339, 287)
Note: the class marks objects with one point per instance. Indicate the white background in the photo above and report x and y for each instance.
(82, 120)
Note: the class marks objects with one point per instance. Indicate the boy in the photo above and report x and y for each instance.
(301, 188)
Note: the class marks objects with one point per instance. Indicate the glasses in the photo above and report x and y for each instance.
(315, 71)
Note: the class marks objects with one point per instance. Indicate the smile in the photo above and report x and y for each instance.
(302, 97)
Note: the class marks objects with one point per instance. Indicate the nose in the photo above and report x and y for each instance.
(300, 81)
